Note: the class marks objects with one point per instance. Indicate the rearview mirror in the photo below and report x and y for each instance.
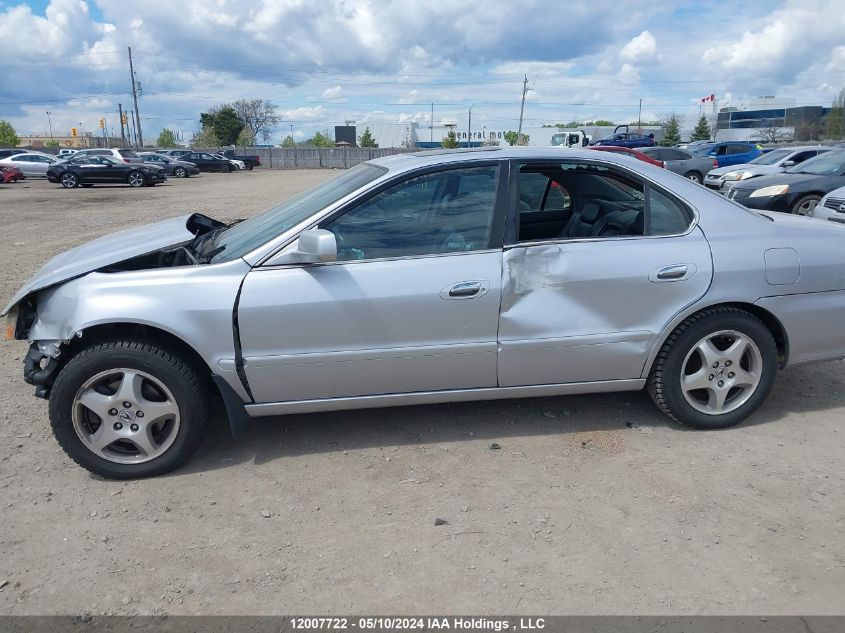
(313, 246)
(788, 163)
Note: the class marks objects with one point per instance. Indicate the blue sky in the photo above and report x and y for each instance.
(328, 61)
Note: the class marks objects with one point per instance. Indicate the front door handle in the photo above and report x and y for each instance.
(465, 290)
(677, 272)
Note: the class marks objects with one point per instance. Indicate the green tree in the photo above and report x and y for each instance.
(8, 138)
(258, 115)
(366, 139)
(321, 139)
(600, 122)
(450, 141)
(671, 130)
(51, 143)
(288, 142)
(205, 138)
(510, 137)
(246, 137)
(701, 131)
(166, 138)
(225, 123)
(836, 117)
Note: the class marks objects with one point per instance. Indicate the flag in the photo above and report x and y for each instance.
(708, 98)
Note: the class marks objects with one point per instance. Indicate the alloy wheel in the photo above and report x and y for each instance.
(125, 416)
(721, 372)
(69, 181)
(136, 179)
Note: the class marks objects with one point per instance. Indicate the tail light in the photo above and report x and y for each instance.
(715, 163)
(125, 160)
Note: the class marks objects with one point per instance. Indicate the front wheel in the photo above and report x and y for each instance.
(248, 166)
(715, 369)
(135, 179)
(224, 169)
(128, 409)
(70, 181)
(805, 205)
(180, 172)
(694, 176)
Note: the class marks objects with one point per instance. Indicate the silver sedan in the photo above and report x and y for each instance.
(423, 278)
(31, 163)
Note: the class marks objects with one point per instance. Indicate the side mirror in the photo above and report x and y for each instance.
(313, 246)
(788, 163)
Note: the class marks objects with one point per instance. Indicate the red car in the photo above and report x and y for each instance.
(10, 173)
(630, 152)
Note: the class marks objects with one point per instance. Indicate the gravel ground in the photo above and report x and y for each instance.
(592, 504)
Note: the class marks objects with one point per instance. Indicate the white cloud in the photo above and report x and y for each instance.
(642, 49)
(334, 93)
(410, 98)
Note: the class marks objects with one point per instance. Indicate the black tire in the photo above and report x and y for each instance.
(69, 181)
(803, 205)
(135, 179)
(180, 172)
(189, 389)
(664, 382)
(225, 169)
(694, 176)
(248, 166)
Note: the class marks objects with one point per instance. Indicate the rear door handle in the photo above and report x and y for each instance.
(676, 272)
(465, 290)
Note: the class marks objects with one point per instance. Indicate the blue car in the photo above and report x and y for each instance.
(621, 137)
(729, 152)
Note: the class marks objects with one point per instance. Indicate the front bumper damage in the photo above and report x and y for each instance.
(40, 366)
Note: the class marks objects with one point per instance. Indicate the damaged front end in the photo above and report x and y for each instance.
(41, 365)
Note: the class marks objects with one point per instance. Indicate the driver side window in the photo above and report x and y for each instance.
(444, 212)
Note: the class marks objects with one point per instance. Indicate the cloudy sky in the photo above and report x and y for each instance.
(327, 61)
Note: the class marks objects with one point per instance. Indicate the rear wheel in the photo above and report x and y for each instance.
(225, 169)
(715, 369)
(805, 204)
(248, 166)
(694, 176)
(69, 181)
(128, 409)
(135, 179)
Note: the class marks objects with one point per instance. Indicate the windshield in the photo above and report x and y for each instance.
(246, 236)
(770, 158)
(827, 164)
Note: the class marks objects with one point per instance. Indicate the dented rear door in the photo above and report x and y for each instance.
(590, 310)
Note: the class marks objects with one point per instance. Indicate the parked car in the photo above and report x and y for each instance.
(176, 153)
(125, 155)
(87, 170)
(31, 164)
(207, 162)
(5, 153)
(172, 166)
(689, 145)
(66, 153)
(10, 173)
(723, 178)
(251, 161)
(626, 138)
(798, 189)
(728, 153)
(682, 162)
(413, 279)
(237, 165)
(638, 154)
(831, 207)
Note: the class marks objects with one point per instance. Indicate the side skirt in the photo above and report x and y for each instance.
(438, 397)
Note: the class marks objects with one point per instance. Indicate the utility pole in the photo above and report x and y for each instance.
(138, 134)
(120, 115)
(640, 117)
(50, 125)
(431, 127)
(469, 127)
(522, 109)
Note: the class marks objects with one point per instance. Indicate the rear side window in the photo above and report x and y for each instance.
(665, 216)
(738, 149)
(127, 153)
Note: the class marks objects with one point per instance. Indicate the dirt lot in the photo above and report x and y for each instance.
(593, 504)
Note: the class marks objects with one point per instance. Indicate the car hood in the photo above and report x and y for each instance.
(781, 178)
(114, 248)
(757, 170)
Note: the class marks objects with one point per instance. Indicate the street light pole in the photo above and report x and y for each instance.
(50, 125)
(469, 127)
